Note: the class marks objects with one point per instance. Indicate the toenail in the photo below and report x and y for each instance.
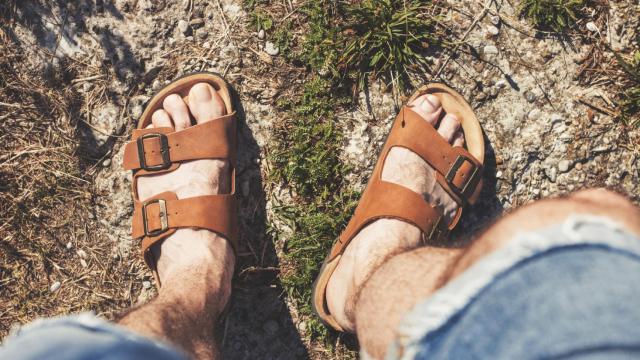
(202, 93)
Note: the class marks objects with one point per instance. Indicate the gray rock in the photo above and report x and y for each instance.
(530, 96)
(271, 49)
(261, 34)
(563, 165)
(495, 19)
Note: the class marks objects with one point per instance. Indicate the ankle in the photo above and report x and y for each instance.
(374, 245)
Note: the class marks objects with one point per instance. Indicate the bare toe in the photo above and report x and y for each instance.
(205, 103)
(428, 107)
(161, 118)
(448, 127)
(178, 110)
(458, 139)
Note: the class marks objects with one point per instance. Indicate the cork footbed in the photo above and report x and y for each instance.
(452, 103)
(181, 87)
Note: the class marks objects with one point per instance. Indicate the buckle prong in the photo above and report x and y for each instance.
(164, 151)
(164, 221)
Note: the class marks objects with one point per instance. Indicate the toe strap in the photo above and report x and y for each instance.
(458, 172)
(160, 216)
(158, 149)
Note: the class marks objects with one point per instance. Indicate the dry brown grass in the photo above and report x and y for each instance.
(47, 232)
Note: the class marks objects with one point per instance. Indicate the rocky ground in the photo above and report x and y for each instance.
(543, 104)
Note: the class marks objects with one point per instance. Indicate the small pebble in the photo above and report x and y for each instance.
(563, 166)
(83, 263)
(490, 49)
(271, 49)
(592, 27)
(499, 174)
(146, 284)
(530, 96)
(55, 286)
(81, 253)
(495, 20)
(69, 245)
(578, 166)
(501, 83)
(261, 34)
(183, 27)
(492, 30)
(106, 162)
(552, 174)
(156, 85)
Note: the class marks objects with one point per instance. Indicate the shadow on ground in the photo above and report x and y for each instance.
(259, 325)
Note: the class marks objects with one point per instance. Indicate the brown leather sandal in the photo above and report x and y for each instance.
(458, 171)
(161, 150)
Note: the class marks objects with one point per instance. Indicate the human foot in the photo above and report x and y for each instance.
(196, 249)
(385, 237)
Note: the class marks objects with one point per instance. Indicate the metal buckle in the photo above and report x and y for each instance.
(451, 174)
(164, 221)
(164, 151)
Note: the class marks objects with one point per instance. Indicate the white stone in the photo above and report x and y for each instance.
(492, 30)
(591, 26)
(261, 34)
(55, 286)
(563, 165)
(271, 48)
(490, 49)
(146, 284)
(183, 27)
(81, 254)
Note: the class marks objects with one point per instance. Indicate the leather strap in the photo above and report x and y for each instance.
(209, 140)
(459, 172)
(164, 213)
(388, 200)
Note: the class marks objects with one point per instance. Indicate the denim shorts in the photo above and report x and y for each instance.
(569, 291)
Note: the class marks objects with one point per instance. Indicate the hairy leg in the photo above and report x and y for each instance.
(404, 280)
(194, 266)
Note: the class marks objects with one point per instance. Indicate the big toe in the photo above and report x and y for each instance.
(428, 106)
(205, 103)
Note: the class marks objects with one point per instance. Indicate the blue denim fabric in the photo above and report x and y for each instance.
(570, 291)
(82, 337)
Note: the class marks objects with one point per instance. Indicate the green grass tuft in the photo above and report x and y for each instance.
(556, 15)
(306, 159)
(388, 37)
